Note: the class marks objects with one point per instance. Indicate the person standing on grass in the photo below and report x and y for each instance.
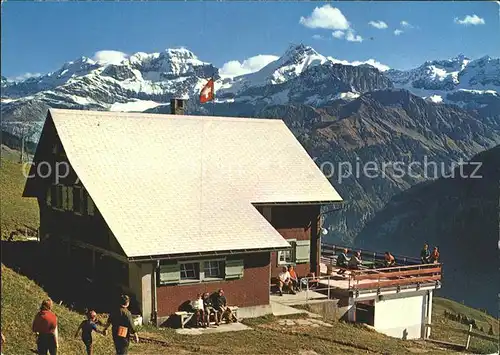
(122, 326)
(87, 326)
(1, 344)
(45, 326)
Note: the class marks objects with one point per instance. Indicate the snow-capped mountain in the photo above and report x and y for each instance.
(300, 76)
(467, 83)
(84, 82)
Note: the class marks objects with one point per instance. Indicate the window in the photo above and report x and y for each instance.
(190, 271)
(286, 257)
(299, 253)
(213, 269)
(203, 270)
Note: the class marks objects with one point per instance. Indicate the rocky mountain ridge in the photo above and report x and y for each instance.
(341, 113)
(458, 213)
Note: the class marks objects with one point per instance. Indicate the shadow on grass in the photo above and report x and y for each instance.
(67, 285)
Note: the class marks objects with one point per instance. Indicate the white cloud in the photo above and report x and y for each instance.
(317, 37)
(338, 34)
(24, 76)
(109, 57)
(351, 36)
(326, 17)
(250, 65)
(406, 24)
(398, 32)
(381, 25)
(372, 62)
(469, 20)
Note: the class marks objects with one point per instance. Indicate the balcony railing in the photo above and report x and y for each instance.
(329, 252)
(408, 272)
(395, 276)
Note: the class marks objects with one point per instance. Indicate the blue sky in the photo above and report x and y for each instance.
(39, 37)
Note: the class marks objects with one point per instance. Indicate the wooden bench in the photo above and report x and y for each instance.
(185, 317)
(234, 310)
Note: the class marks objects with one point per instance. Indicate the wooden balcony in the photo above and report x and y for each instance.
(409, 272)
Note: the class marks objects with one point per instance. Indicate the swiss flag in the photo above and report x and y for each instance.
(207, 93)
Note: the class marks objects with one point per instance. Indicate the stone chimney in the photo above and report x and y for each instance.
(177, 106)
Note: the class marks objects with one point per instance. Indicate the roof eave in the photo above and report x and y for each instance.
(322, 202)
(202, 254)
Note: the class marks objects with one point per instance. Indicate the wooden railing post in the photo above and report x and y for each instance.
(469, 333)
(328, 286)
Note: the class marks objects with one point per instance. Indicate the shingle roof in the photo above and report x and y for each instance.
(169, 184)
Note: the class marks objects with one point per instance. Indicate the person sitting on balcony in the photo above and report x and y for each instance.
(435, 255)
(425, 255)
(389, 259)
(312, 281)
(284, 279)
(342, 262)
(355, 263)
(293, 277)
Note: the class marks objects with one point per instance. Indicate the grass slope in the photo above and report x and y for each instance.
(16, 212)
(452, 331)
(21, 300)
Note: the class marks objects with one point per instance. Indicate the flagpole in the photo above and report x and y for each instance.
(213, 97)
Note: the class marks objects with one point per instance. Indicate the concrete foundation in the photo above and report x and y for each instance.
(254, 312)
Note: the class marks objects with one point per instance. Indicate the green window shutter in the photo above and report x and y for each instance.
(64, 197)
(169, 274)
(302, 251)
(82, 201)
(90, 206)
(69, 193)
(234, 269)
(48, 198)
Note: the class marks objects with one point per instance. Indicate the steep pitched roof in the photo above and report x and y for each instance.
(169, 184)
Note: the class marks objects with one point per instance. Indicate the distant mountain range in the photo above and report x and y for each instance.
(461, 215)
(444, 110)
(301, 75)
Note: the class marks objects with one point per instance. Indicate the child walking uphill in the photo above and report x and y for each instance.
(87, 326)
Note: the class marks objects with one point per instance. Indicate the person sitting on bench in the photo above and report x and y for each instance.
(342, 262)
(208, 307)
(389, 259)
(293, 277)
(355, 263)
(223, 311)
(284, 279)
(199, 310)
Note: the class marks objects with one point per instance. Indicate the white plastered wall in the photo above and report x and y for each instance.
(401, 315)
(140, 283)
